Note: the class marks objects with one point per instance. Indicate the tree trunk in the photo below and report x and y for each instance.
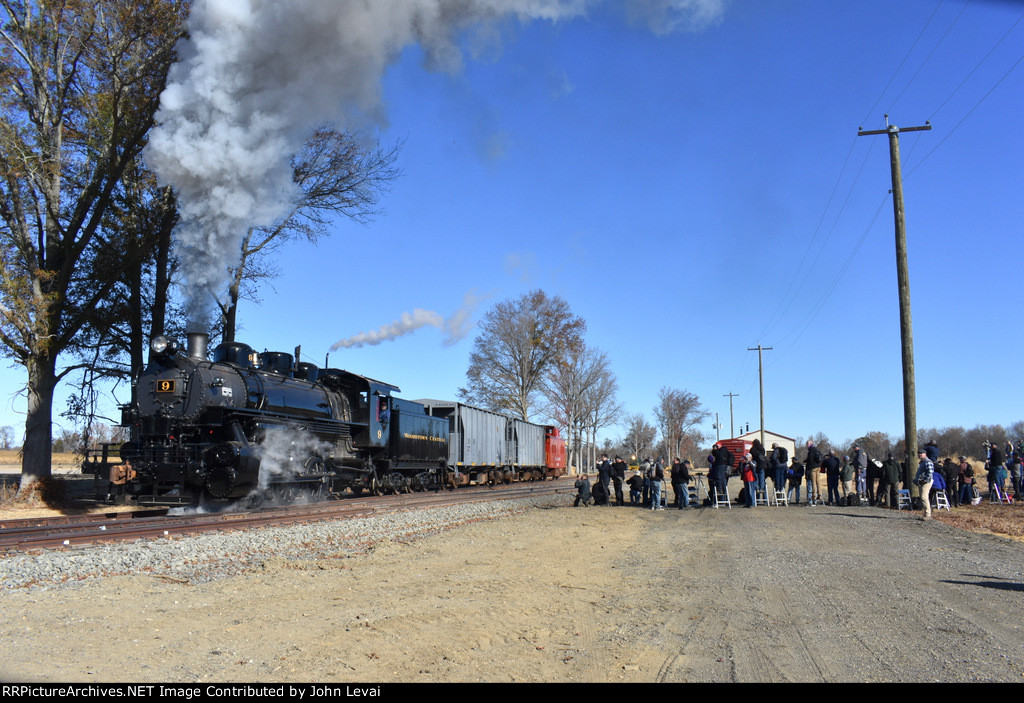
(37, 451)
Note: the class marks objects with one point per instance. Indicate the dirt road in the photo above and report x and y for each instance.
(564, 594)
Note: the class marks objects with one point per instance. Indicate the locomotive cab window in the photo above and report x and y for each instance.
(363, 411)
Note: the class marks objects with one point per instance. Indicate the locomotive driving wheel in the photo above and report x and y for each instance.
(284, 493)
(314, 466)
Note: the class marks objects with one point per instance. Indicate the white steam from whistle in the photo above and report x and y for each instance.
(455, 327)
(255, 77)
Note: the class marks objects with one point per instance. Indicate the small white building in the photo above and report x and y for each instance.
(773, 438)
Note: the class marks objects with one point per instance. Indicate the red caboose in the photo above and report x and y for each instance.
(554, 452)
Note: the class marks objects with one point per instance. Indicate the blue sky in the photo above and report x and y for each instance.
(695, 194)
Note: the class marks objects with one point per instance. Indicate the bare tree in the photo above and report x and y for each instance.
(6, 437)
(336, 175)
(79, 86)
(580, 389)
(604, 411)
(640, 436)
(519, 340)
(876, 444)
(678, 413)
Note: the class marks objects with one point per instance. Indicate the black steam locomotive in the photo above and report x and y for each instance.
(245, 426)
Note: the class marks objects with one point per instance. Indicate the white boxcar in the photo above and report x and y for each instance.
(526, 445)
(476, 438)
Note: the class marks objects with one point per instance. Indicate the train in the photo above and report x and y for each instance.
(236, 425)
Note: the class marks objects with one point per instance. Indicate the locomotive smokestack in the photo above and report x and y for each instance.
(197, 344)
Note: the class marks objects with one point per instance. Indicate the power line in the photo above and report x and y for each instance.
(964, 118)
(900, 67)
(926, 58)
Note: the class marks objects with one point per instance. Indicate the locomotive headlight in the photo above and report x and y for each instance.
(163, 345)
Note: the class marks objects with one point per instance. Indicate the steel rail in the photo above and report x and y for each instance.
(66, 531)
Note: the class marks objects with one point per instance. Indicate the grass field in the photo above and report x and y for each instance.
(12, 457)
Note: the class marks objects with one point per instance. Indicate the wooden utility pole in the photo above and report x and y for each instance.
(760, 376)
(730, 395)
(903, 282)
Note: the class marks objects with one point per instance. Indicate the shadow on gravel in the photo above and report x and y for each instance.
(997, 585)
(860, 515)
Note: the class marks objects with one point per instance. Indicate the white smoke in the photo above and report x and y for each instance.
(283, 454)
(255, 77)
(455, 327)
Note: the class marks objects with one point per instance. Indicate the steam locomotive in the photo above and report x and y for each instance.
(239, 425)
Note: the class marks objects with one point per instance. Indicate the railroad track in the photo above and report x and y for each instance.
(66, 531)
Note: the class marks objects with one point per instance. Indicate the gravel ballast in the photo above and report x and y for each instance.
(203, 557)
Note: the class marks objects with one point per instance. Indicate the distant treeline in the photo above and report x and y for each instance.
(952, 441)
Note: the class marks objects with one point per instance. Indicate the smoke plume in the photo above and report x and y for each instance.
(283, 454)
(455, 327)
(255, 77)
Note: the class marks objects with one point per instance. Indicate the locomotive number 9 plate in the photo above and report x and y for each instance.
(165, 386)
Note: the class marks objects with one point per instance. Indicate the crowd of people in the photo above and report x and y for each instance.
(853, 479)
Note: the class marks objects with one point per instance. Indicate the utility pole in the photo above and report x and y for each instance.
(760, 376)
(903, 282)
(731, 395)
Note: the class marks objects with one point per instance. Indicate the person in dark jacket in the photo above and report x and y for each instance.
(636, 486)
(583, 494)
(604, 473)
(618, 476)
(680, 479)
(951, 473)
(721, 467)
(779, 464)
(889, 483)
(795, 475)
(995, 469)
(832, 467)
(874, 475)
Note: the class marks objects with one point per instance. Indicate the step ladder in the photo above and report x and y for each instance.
(997, 495)
(903, 500)
(721, 499)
